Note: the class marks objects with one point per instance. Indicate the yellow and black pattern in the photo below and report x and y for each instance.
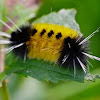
(53, 43)
(47, 40)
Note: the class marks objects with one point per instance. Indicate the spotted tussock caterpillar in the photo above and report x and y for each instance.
(50, 42)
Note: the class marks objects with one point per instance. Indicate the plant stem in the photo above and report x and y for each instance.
(4, 91)
(2, 59)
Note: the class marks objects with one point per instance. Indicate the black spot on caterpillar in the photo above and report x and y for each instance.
(43, 31)
(33, 32)
(59, 35)
(50, 33)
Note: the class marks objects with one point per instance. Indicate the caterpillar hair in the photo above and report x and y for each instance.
(54, 43)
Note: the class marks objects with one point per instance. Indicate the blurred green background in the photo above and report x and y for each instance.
(88, 17)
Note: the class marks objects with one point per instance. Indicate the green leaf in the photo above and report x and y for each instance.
(40, 69)
(63, 17)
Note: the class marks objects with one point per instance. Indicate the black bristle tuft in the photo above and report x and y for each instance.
(72, 50)
(18, 37)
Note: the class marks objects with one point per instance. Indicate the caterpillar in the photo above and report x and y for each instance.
(50, 42)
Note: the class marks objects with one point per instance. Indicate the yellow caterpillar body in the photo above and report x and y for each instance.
(47, 41)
